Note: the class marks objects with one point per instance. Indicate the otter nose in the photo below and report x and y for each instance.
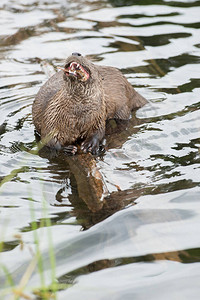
(76, 54)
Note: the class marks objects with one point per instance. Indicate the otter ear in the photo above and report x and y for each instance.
(102, 78)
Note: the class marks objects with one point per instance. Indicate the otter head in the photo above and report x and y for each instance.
(80, 69)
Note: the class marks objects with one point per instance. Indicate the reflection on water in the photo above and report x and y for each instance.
(140, 202)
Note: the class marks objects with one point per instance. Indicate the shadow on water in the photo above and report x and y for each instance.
(186, 256)
(119, 3)
(89, 195)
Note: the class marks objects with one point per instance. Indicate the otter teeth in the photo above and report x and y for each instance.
(77, 70)
(72, 72)
(74, 66)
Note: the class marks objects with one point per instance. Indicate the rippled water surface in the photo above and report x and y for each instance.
(143, 240)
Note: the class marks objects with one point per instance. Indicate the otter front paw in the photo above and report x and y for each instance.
(91, 145)
(70, 150)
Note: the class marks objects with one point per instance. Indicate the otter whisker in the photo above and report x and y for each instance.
(60, 68)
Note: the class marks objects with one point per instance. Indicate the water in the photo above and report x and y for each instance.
(143, 241)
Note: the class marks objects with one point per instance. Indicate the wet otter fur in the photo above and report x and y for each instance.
(74, 104)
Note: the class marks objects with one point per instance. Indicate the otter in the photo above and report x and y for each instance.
(74, 104)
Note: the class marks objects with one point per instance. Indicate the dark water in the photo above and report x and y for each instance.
(150, 250)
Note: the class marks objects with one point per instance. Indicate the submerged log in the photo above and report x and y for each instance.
(90, 183)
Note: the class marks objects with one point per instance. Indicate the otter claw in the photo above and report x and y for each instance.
(70, 150)
(90, 146)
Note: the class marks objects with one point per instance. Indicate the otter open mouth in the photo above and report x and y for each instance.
(77, 70)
